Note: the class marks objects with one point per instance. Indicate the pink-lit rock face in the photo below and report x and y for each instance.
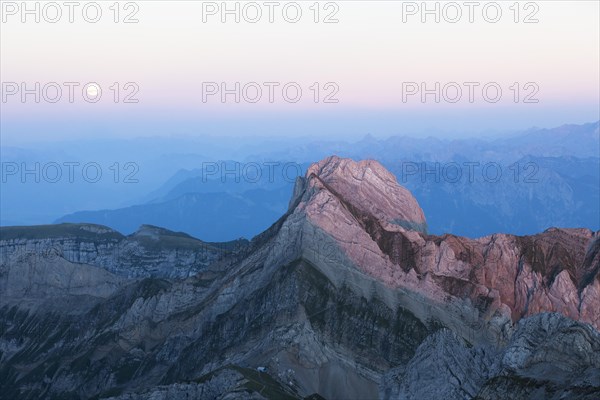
(369, 187)
(377, 224)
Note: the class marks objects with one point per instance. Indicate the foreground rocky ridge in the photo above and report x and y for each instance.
(346, 296)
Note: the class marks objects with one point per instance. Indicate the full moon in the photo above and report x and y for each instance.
(92, 90)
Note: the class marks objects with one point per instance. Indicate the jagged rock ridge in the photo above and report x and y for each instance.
(557, 270)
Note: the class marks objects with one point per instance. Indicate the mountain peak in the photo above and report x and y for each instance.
(370, 189)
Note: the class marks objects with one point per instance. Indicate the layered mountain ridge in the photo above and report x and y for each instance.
(345, 296)
(150, 251)
(379, 226)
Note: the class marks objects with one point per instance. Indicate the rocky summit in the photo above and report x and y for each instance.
(346, 296)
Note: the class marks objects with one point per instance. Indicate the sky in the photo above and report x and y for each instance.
(340, 69)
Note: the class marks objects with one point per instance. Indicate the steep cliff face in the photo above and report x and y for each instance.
(151, 251)
(367, 186)
(346, 296)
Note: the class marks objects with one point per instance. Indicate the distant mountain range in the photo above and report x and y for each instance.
(519, 185)
(557, 183)
(211, 216)
(548, 192)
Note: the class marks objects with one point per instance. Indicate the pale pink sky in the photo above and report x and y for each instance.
(368, 54)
